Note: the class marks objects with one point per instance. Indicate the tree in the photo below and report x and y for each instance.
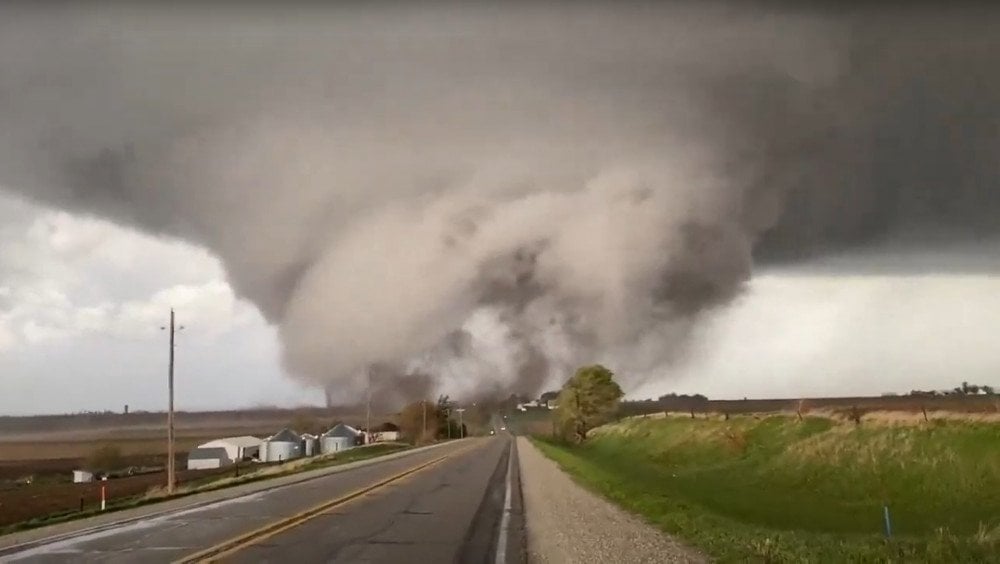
(589, 399)
(988, 390)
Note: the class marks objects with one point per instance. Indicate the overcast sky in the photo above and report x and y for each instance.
(81, 306)
(82, 302)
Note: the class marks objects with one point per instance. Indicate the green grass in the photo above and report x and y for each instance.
(781, 490)
(214, 483)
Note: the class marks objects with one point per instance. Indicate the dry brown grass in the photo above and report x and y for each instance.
(881, 417)
(47, 450)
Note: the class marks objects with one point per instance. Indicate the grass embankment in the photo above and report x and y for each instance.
(248, 474)
(782, 490)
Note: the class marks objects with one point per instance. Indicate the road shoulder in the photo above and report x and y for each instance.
(566, 523)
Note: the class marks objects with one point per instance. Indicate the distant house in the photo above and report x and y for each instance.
(208, 458)
(82, 476)
(533, 404)
(548, 399)
(386, 432)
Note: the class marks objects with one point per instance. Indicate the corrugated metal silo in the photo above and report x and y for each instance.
(286, 445)
(340, 437)
(336, 444)
(310, 445)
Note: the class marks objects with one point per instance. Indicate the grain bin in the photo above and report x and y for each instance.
(336, 444)
(340, 437)
(283, 446)
(310, 445)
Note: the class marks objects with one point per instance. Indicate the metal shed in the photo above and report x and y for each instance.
(208, 458)
(282, 446)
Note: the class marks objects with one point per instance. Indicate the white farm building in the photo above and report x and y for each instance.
(223, 452)
(237, 448)
(208, 458)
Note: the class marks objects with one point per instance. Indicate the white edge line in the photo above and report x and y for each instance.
(505, 520)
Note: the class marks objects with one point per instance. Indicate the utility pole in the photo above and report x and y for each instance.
(171, 467)
(171, 476)
(424, 402)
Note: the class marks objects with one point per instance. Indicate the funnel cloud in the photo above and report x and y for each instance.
(482, 198)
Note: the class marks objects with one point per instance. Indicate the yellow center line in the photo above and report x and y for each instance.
(228, 547)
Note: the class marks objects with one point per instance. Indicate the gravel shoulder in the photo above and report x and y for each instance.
(567, 523)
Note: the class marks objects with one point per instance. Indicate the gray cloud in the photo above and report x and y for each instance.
(590, 177)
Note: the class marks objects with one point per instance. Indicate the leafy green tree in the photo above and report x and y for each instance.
(589, 399)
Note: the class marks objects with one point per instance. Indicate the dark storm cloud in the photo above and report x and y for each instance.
(597, 175)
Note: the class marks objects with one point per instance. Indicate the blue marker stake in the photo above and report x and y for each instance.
(888, 523)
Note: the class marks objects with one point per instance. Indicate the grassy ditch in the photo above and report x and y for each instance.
(248, 474)
(777, 489)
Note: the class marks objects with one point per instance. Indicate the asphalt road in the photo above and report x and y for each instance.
(449, 511)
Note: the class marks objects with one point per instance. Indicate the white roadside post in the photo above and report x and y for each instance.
(104, 493)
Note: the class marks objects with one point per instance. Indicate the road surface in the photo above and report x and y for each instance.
(441, 505)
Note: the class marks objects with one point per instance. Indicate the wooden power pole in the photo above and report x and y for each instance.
(171, 471)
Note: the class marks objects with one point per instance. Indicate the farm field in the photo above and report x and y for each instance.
(780, 489)
(46, 449)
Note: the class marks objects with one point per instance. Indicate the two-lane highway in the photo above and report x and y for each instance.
(439, 505)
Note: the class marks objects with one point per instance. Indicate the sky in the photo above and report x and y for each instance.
(82, 302)
(736, 199)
